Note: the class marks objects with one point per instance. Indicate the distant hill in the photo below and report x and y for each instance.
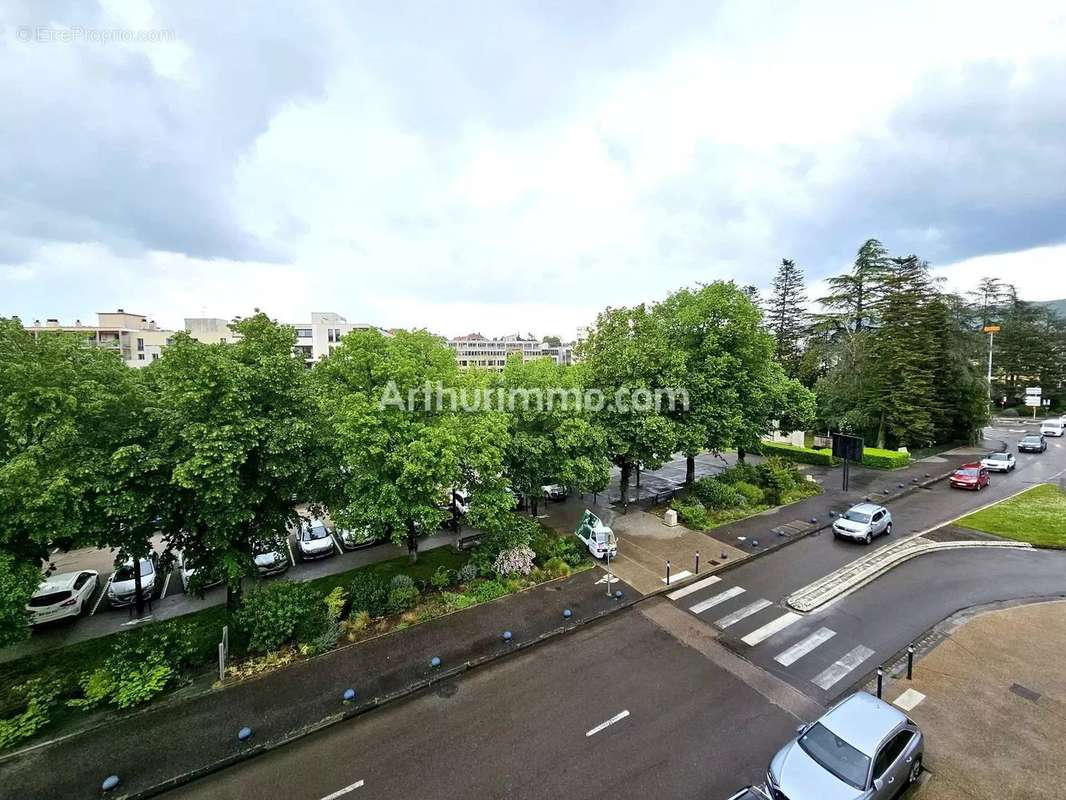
(1058, 306)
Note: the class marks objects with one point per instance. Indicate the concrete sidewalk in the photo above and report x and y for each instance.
(177, 740)
(991, 699)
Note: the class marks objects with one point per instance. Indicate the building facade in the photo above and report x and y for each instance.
(136, 339)
(210, 330)
(475, 350)
(318, 338)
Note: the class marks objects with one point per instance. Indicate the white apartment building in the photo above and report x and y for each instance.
(137, 339)
(319, 337)
(475, 350)
(211, 330)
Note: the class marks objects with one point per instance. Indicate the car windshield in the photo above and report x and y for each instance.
(999, 456)
(125, 572)
(50, 599)
(835, 755)
(857, 516)
(969, 473)
(312, 532)
(1032, 439)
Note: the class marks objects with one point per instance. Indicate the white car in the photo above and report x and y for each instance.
(554, 491)
(863, 522)
(999, 462)
(61, 596)
(1053, 427)
(357, 538)
(188, 576)
(315, 540)
(123, 588)
(268, 559)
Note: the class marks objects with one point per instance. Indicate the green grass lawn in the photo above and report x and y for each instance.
(1037, 516)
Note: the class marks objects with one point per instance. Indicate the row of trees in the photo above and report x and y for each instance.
(895, 358)
(215, 445)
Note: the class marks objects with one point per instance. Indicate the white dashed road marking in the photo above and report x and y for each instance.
(804, 646)
(770, 628)
(846, 664)
(909, 699)
(747, 611)
(344, 791)
(694, 587)
(616, 718)
(679, 576)
(728, 594)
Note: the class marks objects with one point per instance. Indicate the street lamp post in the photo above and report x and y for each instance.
(991, 331)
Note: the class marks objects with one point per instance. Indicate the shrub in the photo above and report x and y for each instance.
(487, 590)
(455, 601)
(401, 581)
(692, 514)
(356, 624)
(884, 459)
(712, 493)
(804, 455)
(742, 471)
(777, 477)
(556, 568)
(402, 598)
(467, 573)
(284, 612)
(368, 593)
(442, 578)
(515, 561)
(331, 629)
(547, 546)
(39, 698)
(750, 492)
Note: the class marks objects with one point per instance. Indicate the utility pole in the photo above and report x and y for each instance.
(991, 331)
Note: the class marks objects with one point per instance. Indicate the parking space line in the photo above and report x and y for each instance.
(616, 718)
(770, 628)
(288, 544)
(107, 585)
(827, 677)
(728, 594)
(166, 585)
(747, 611)
(337, 544)
(694, 587)
(804, 646)
(680, 576)
(344, 791)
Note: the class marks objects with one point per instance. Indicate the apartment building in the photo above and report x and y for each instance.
(136, 338)
(475, 350)
(318, 338)
(211, 330)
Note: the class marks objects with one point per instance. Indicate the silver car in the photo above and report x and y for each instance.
(861, 749)
(863, 522)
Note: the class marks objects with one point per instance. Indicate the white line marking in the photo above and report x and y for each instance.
(846, 664)
(747, 611)
(344, 791)
(801, 648)
(137, 621)
(679, 576)
(694, 587)
(770, 628)
(617, 717)
(728, 594)
(909, 699)
(340, 550)
(96, 605)
(292, 558)
(166, 583)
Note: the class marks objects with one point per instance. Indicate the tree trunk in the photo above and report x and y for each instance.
(234, 593)
(690, 470)
(412, 542)
(740, 455)
(881, 432)
(534, 502)
(623, 485)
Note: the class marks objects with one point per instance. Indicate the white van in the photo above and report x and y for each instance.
(1052, 427)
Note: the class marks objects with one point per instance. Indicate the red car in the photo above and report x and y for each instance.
(970, 476)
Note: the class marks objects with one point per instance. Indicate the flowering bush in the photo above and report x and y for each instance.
(514, 560)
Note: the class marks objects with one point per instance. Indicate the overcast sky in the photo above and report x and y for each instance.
(502, 166)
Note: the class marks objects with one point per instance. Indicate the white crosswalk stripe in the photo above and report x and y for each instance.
(804, 646)
(679, 576)
(718, 599)
(770, 628)
(694, 587)
(848, 662)
(737, 616)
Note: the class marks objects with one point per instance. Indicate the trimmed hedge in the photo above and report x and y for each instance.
(876, 458)
(803, 455)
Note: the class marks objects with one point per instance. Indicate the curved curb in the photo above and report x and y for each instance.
(868, 568)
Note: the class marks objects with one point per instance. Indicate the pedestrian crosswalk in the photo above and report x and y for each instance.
(778, 638)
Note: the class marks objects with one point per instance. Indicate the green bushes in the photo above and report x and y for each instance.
(39, 697)
(442, 578)
(467, 573)
(802, 455)
(876, 458)
(692, 514)
(556, 568)
(369, 593)
(280, 613)
(750, 492)
(403, 594)
(713, 493)
(777, 476)
(547, 545)
(484, 591)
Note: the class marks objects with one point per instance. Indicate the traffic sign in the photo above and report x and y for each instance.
(991, 329)
(1031, 391)
(1032, 400)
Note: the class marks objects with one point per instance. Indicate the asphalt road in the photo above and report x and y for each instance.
(535, 725)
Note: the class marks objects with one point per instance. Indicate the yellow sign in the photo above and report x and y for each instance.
(991, 329)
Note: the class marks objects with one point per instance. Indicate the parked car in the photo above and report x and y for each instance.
(863, 522)
(123, 587)
(554, 491)
(970, 476)
(999, 462)
(750, 793)
(191, 576)
(1033, 443)
(61, 596)
(1053, 427)
(358, 538)
(269, 560)
(314, 539)
(861, 749)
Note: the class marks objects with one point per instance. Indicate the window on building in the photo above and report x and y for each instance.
(155, 356)
(140, 345)
(303, 333)
(140, 356)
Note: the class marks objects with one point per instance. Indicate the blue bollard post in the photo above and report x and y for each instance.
(434, 662)
(244, 734)
(349, 695)
(567, 613)
(618, 594)
(507, 636)
(110, 783)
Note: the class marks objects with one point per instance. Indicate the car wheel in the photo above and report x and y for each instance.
(888, 530)
(916, 770)
(869, 538)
